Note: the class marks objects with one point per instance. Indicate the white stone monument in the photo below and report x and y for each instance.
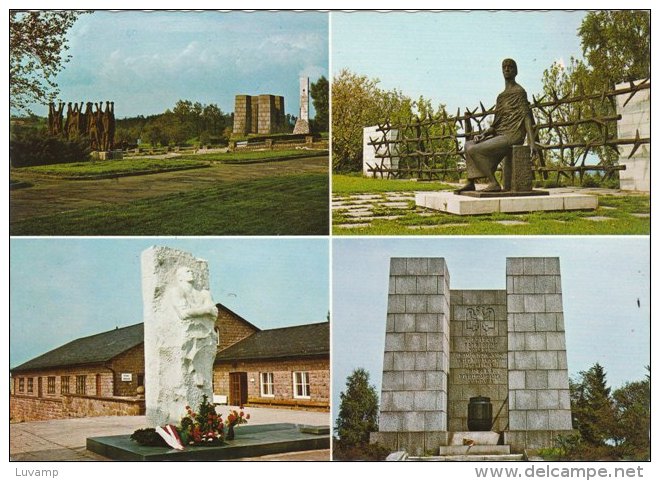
(302, 124)
(179, 339)
(635, 120)
(370, 152)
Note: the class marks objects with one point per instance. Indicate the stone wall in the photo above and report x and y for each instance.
(231, 329)
(539, 401)
(28, 408)
(635, 117)
(319, 380)
(413, 405)
(478, 360)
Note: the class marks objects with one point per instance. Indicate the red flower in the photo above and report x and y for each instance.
(248, 416)
(242, 414)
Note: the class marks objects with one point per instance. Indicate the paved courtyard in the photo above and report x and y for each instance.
(64, 439)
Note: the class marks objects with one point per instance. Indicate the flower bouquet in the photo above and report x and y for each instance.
(234, 418)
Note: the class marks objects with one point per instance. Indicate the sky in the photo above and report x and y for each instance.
(453, 58)
(63, 289)
(602, 279)
(146, 61)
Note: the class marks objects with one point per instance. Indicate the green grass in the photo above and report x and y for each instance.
(623, 221)
(281, 205)
(257, 155)
(356, 184)
(95, 169)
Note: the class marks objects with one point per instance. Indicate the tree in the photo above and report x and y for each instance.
(37, 46)
(633, 415)
(357, 102)
(593, 408)
(319, 91)
(358, 410)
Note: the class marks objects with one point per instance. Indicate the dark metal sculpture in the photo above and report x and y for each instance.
(513, 121)
(95, 123)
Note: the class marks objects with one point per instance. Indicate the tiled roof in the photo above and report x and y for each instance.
(296, 341)
(88, 350)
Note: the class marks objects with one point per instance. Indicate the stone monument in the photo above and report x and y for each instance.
(446, 349)
(179, 340)
(259, 114)
(302, 124)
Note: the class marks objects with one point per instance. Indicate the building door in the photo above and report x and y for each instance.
(40, 386)
(237, 388)
(98, 384)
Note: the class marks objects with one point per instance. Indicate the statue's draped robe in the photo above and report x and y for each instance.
(511, 109)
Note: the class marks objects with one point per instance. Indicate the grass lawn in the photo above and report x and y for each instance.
(356, 184)
(257, 155)
(379, 213)
(101, 168)
(278, 205)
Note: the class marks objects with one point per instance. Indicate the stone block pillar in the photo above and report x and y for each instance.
(370, 152)
(539, 401)
(242, 114)
(302, 124)
(413, 405)
(635, 117)
(517, 170)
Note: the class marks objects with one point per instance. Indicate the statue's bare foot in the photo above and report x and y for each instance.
(467, 187)
(492, 187)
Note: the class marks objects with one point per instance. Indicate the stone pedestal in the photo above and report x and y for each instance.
(518, 175)
(302, 124)
(370, 153)
(635, 117)
(108, 155)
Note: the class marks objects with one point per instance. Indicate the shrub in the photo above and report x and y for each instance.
(31, 147)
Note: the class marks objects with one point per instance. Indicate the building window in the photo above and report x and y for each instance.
(301, 384)
(267, 386)
(81, 384)
(51, 384)
(64, 384)
(30, 384)
(21, 384)
(140, 379)
(217, 336)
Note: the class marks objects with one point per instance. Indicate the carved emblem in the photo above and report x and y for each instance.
(480, 320)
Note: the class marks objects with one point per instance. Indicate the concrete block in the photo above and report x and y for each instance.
(388, 361)
(524, 360)
(534, 303)
(404, 322)
(390, 439)
(523, 322)
(551, 266)
(537, 420)
(393, 381)
(562, 363)
(516, 341)
(413, 421)
(389, 324)
(406, 284)
(436, 381)
(439, 437)
(426, 323)
(560, 419)
(514, 266)
(515, 303)
(437, 266)
(434, 342)
(414, 380)
(425, 361)
(548, 399)
(547, 360)
(402, 400)
(517, 420)
(535, 341)
(390, 421)
(564, 397)
(415, 303)
(580, 202)
(558, 379)
(417, 266)
(556, 341)
(536, 379)
(386, 400)
(553, 303)
(531, 203)
(524, 284)
(413, 442)
(397, 266)
(526, 399)
(427, 285)
(396, 304)
(545, 322)
(425, 401)
(456, 204)
(404, 361)
(516, 380)
(436, 304)
(560, 321)
(545, 285)
(459, 313)
(415, 341)
(394, 341)
(392, 286)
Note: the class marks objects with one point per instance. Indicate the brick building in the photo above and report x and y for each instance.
(100, 374)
